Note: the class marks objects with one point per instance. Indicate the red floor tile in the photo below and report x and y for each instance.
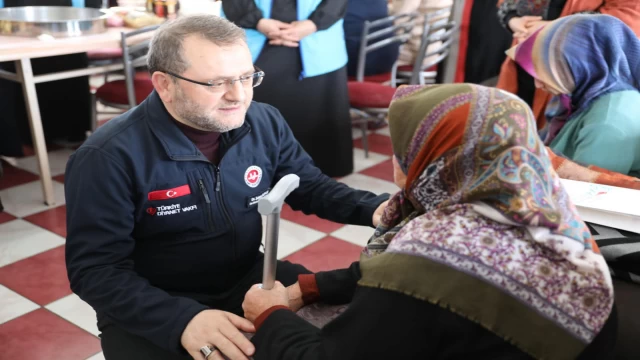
(383, 171)
(310, 221)
(14, 176)
(380, 144)
(326, 254)
(6, 217)
(42, 335)
(54, 220)
(41, 278)
(59, 178)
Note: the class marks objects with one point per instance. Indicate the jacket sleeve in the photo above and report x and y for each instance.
(100, 221)
(283, 335)
(328, 13)
(319, 194)
(334, 287)
(243, 13)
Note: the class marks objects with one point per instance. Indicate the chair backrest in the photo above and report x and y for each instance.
(134, 55)
(383, 32)
(434, 32)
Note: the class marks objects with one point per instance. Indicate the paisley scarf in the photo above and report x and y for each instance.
(483, 226)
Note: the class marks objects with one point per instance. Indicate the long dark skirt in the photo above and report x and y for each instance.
(316, 108)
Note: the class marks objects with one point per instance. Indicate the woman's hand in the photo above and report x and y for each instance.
(271, 26)
(292, 36)
(532, 26)
(519, 24)
(258, 300)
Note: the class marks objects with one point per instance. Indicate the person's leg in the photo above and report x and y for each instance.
(286, 272)
(118, 344)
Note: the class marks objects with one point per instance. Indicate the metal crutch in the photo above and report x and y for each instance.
(271, 206)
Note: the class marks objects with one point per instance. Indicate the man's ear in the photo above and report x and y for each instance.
(163, 83)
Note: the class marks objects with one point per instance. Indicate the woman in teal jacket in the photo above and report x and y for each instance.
(591, 63)
(300, 46)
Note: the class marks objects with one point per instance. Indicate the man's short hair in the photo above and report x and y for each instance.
(166, 52)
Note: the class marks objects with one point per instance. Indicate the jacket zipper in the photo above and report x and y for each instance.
(207, 200)
(218, 189)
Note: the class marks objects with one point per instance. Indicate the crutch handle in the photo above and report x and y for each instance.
(272, 203)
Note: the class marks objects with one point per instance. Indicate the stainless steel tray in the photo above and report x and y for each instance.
(56, 21)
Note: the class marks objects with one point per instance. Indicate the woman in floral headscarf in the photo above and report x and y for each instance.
(480, 255)
(591, 64)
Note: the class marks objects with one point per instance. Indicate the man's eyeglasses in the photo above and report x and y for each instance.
(252, 80)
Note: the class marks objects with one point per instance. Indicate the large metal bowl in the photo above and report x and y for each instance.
(56, 21)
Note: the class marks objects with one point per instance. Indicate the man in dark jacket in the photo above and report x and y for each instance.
(163, 231)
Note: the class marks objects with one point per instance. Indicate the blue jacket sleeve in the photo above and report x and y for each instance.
(319, 194)
(100, 220)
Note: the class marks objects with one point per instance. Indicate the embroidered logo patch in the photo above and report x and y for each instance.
(252, 176)
(151, 211)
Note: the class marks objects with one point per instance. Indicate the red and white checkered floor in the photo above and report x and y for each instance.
(40, 318)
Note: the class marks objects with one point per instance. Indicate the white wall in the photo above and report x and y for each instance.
(200, 6)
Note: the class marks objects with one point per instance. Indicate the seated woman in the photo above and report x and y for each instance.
(480, 255)
(590, 63)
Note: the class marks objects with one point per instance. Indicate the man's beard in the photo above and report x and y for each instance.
(193, 113)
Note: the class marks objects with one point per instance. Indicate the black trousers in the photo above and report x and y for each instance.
(117, 344)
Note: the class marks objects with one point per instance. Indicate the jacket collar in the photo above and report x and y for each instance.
(176, 144)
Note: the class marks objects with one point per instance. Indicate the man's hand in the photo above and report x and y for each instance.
(295, 297)
(269, 27)
(292, 36)
(519, 24)
(220, 329)
(378, 213)
(258, 300)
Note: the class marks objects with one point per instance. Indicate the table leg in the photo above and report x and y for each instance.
(25, 75)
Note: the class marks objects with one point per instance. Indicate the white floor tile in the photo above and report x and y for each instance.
(384, 131)
(360, 162)
(57, 161)
(364, 182)
(26, 199)
(13, 305)
(73, 309)
(98, 356)
(292, 237)
(358, 235)
(20, 240)
(356, 133)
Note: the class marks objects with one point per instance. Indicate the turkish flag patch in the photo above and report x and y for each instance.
(170, 193)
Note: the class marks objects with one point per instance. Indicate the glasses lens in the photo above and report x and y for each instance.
(257, 78)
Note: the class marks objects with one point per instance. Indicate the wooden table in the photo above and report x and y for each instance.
(21, 50)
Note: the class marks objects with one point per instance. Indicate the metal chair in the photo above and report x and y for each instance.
(438, 32)
(127, 93)
(370, 100)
